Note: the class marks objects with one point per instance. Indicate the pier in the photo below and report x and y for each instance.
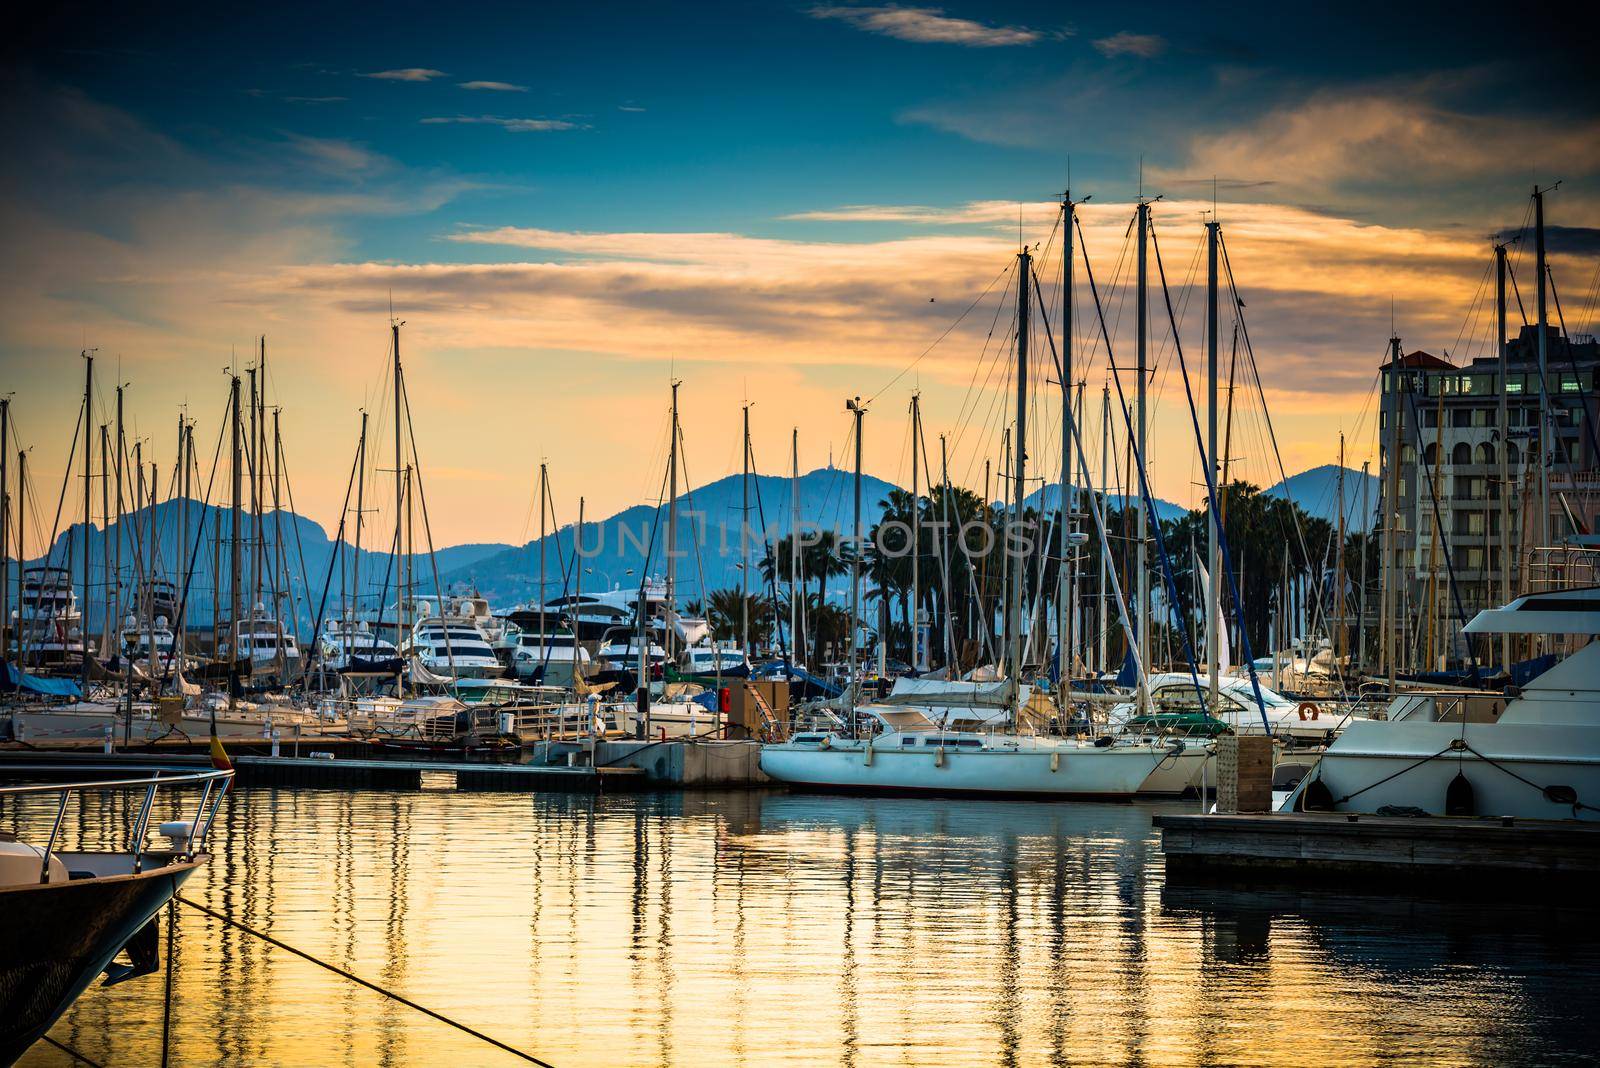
(1455, 854)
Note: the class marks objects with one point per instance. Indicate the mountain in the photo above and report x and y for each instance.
(1317, 493)
(1046, 497)
(707, 537)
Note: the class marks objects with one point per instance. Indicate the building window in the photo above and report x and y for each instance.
(1430, 453)
(1461, 455)
(1485, 453)
(1408, 455)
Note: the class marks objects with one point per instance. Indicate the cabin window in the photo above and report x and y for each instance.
(908, 741)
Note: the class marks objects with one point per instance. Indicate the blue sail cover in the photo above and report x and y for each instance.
(1130, 670)
(15, 680)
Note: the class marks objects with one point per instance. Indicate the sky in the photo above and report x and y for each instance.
(780, 204)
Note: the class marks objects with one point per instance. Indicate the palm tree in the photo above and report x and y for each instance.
(726, 610)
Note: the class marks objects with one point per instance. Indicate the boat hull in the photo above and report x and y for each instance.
(56, 939)
(1044, 773)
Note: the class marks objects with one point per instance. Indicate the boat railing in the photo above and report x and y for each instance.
(1561, 567)
(214, 787)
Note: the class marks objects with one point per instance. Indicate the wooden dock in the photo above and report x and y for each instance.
(365, 774)
(1452, 854)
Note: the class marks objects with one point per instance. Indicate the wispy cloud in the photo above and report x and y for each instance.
(514, 125)
(407, 74)
(629, 107)
(928, 25)
(1142, 45)
(338, 157)
(496, 87)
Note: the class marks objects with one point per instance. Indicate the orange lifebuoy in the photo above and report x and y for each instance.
(1307, 706)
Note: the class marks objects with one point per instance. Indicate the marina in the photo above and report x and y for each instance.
(820, 535)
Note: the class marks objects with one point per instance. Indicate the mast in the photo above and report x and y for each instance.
(1505, 446)
(543, 640)
(361, 486)
(744, 545)
(278, 569)
(88, 474)
(672, 526)
(944, 516)
(1546, 438)
(1066, 497)
(1214, 635)
(915, 622)
(1366, 535)
(403, 601)
(179, 626)
(1391, 548)
(1105, 493)
(22, 556)
(1141, 565)
(1019, 483)
(856, 407)
(795, 585)
(150, 581)
(1338, 568)
(109, 619)
(233, 554)
(116, 549)
(253, 459)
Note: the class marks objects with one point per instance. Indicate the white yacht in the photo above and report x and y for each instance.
(47, 622)
(454, 647)
(1535, 755)
(549, 660)
(345, 644)
(146, 642)
(1176, 703)
(724, 658)
(262, 639)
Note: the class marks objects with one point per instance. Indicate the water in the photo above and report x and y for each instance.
(773, 929)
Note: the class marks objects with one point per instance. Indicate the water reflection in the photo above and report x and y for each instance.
(768, 928)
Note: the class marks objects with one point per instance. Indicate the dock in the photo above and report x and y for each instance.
(1453, 854)
(368, 774)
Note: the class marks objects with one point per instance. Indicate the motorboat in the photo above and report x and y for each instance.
(1180, 704)
(151, 645)
(352, 645)
(261, 639)
(454, 647)
(66, 916)
(550, 659)
(47, 622)
(1534, 754)
(715, 658)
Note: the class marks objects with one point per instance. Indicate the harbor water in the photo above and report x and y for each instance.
(765, 928)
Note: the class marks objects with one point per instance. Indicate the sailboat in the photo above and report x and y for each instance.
(949, 746)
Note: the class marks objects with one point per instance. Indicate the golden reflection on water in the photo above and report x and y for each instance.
(769, 929)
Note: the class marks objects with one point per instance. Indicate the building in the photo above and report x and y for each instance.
(1461, 531)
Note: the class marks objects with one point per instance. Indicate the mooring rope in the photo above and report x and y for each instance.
(69, 1051)
(408, 1003)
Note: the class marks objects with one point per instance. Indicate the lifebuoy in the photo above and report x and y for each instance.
(1307, 706)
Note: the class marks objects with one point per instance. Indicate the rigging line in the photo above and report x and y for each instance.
(772, 580)
(1211, 486)
(299, 544)
(354, 978)
(1444, 542)
(1572, 362)
(55, 527)
(1266, 414)
(199, 537)
(1137, 453)
(907, 368)
(334, 559)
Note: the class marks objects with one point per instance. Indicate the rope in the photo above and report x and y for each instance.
(69, 1051)
(1396, 775)
(1529, 782)
(358, 980)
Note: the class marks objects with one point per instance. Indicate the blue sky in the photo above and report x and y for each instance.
(578, 201)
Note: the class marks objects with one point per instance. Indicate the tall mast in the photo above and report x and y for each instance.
(108, 642)
(1338, 570)
(1214, 636)
(361, 487)
(179, 625)
(672, 525)
(795, 586)
(744, 544)
(1141, 565)
(860, 410)
(1391, 499)
(1505, 444)
(944, 516)
(1066, 497)
(233, 554)
(1018, 570)
(88, 474)
(180, 493)
(1366, 535)
(402, 600)
(150, 582)
(543, 640)
(914, 624)
(22, 555)
(1546, 437)
(254, 462)
(279, 572)
(116, 549)
(1105, 491)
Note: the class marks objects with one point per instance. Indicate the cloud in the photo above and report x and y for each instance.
(1142, 45)
(407, 74)
(514, 125)
(497, 87)
(338, 157)
(315, 99)
(927, 25)
(629, 107)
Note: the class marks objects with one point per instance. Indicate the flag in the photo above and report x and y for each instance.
(219, 755)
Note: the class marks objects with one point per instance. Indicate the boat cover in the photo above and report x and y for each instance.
(15, 679)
